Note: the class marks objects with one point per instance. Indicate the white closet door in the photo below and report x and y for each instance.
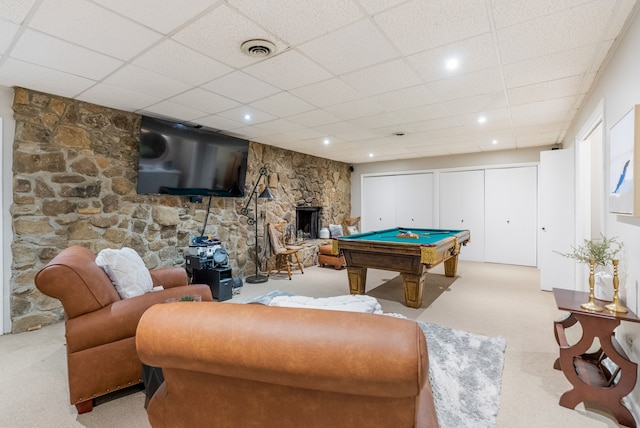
(378, 203)
(461, 206)
(557, 222)
(414, 201)
(511, 215)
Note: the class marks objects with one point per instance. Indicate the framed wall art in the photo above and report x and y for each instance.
(624, 164)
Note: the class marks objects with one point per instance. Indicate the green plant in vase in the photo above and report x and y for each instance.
(602, 251)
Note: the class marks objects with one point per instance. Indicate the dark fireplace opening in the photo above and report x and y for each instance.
(307, 222)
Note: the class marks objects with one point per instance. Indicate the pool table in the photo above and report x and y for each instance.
(412, 252)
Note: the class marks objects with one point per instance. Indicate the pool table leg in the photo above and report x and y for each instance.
(451, 266)
(413, 287)
(357, 279)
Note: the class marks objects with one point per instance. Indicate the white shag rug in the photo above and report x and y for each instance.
(465, 369)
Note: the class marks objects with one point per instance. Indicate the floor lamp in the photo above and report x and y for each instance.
(266, 194)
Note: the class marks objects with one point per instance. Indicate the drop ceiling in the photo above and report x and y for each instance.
(347, 76)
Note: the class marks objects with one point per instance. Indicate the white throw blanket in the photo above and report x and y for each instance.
(349, 303)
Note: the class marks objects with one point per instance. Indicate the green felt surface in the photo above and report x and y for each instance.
(425, 236)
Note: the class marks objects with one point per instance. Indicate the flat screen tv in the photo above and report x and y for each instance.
(189, 160)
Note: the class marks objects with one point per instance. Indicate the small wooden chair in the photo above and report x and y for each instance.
(351, 225)
(282, 254)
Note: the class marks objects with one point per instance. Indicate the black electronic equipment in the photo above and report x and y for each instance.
(181, 159)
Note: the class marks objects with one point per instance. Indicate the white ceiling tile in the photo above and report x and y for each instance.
(354, 109)
(418, 25)
(401, 99)
(249, 132)
(238, 115)
(537, 139)
(204, 100)
(280, 125)
(221, 123)
(541, 112)
(544, 91)
(118, 98)
(220, 33)
(617, 22)
(338, 71)
(282, 105)
(313, 18)
(15, 10)
(241, 87)
(146, 82)
(161, 15)
(314, 118)
(510, 12)
(375, 80)
(337, 128)
(8, 31)
(359, 45)
(474, 54)
(446, 123)
(477, 83)
(374, 6)
(422, 113)
(174, 111)
(562, 31)
(478, 103)
(548, 67)
(19, 73)
(168, 58)
(288, 70)
(327, 92)
(379, 121)
(92, 26)
(356, 135)
(59, 55)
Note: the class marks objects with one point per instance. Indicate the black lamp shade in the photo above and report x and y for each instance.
(266, 194)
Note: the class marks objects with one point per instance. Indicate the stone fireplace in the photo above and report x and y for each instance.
(308, 222)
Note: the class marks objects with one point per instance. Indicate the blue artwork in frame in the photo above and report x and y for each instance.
(622, 165)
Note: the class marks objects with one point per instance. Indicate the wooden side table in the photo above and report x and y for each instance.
(604, 376)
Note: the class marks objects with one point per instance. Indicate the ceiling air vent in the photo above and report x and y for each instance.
(258, 48)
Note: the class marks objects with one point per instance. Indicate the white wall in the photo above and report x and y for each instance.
(618, 88)
(6, 192)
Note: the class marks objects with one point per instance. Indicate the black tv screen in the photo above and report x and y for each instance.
(181, 159)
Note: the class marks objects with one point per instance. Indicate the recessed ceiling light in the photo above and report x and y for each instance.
(326, 141)
(370, 155)
(452, 64)
(482, 119)
(247, 117)
(494, 142)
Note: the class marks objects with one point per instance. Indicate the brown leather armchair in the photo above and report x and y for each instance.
(234, 365)
(100, 326)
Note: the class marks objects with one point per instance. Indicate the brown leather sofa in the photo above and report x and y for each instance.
(234, 365)
(101, 327)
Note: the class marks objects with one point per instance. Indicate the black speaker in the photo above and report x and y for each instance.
(224, 290)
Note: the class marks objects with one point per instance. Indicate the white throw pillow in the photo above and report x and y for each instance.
(127, 271)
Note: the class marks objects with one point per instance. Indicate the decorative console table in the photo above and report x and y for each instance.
(604, 376)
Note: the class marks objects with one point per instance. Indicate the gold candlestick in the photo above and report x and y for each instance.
(616, 306)
(591, 304)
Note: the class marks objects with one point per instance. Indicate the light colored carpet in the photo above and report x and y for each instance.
(465, 369)
(487, 299)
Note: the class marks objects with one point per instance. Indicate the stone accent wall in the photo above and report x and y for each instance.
(74, 183)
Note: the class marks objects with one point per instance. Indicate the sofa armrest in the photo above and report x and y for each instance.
(120, 319)
(169, 277)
